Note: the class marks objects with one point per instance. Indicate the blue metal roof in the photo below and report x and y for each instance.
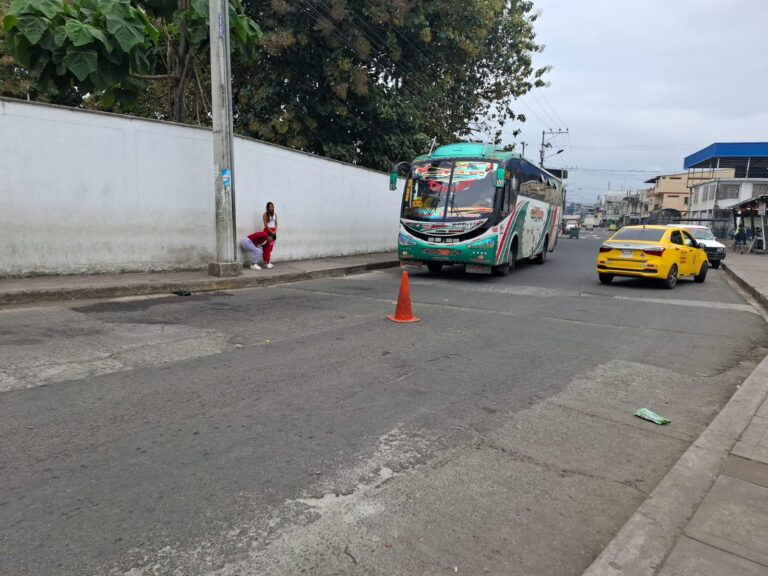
(726, 150)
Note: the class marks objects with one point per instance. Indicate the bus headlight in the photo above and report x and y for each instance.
(484, 244)
(404, 241)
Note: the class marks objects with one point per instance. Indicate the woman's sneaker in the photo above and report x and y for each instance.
(270, 265)
(255, 267)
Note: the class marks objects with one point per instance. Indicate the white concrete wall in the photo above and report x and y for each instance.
(89, 192)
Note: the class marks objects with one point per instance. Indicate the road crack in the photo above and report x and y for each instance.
(483, 442)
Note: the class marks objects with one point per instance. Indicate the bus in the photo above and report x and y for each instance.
(477, 206)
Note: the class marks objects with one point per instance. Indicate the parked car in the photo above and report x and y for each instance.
(706, 239)
(612, 228)
(660, 252)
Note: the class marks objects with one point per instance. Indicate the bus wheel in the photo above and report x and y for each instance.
(541, 257)
(434, 267)
(501, 269)
(513, 255)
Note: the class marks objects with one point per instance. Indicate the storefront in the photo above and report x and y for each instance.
(751, 215)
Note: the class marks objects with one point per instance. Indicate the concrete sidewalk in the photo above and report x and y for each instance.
(751, 272)
(709, 515)
(54, 288)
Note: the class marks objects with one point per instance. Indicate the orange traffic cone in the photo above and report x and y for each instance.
(403, 312)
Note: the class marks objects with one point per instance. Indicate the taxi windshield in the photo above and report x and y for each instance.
(450, 190)
(640, 234)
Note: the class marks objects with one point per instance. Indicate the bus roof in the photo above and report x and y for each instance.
(468, 150)
(472, 150)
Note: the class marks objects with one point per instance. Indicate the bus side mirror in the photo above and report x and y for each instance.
(399, 169)
(393, 181)
(500, 172)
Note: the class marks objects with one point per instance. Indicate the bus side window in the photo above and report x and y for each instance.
(533, 186)
(554, 193)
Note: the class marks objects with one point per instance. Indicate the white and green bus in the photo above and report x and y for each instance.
(477, 206)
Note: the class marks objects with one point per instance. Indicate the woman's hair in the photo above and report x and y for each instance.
(273, 209)
(272, 235)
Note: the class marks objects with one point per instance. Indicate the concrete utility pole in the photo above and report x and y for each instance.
(545, 145)
(226, 263)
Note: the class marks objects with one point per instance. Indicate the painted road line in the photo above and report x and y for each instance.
(539, 292)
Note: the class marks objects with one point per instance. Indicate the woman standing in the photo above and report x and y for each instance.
(270, 225)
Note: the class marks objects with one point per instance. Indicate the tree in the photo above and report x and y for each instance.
(112, 49)
(373, 81)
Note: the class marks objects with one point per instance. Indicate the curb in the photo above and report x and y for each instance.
(754, 292)
(646, 540)
(215, 285)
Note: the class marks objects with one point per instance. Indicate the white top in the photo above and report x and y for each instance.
(272, 222)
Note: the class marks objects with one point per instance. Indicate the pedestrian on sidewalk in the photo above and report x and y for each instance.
(255, 245)
(741, 238)
(270, 225)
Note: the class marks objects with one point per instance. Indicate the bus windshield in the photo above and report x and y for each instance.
(450, 190)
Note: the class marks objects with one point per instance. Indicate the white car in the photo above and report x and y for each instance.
(703, 235)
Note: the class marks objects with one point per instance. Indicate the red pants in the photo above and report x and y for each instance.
(268, 247)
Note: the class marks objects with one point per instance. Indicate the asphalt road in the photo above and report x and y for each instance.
(294, 430)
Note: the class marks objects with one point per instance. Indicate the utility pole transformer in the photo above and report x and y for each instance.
(226, 263)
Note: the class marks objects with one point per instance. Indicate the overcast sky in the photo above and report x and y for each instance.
(642, 84)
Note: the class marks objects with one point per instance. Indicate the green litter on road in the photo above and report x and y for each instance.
(646, 414)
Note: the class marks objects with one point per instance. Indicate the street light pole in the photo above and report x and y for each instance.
(226, 263)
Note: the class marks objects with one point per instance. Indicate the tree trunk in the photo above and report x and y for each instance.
(178, 111)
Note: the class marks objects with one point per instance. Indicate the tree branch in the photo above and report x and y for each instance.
(156, 77)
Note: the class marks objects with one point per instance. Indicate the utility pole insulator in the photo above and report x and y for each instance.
(227, 263)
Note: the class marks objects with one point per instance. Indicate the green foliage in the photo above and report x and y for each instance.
(68, 45)
(373, 81)
(110, 49)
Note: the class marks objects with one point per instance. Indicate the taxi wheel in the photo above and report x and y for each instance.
(671, 280)
(605, 278)
(702, 275)
(434, 267)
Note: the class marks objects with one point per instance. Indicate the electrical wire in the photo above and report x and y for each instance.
(372, 8)
(547, 114)
(348, 43)
(552, 108)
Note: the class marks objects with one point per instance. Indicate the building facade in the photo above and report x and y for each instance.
(714, 196)
(712, 202)
(672, 191)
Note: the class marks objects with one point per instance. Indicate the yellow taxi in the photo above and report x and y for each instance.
(661, 252)
(612, 228)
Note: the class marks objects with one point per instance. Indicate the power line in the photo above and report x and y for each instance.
(547, 114)
(372, 8)
(348, 43)
(660, 147)
(553, 109)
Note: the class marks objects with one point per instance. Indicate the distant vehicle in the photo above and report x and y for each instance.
(661, 252)
(715, 250)
(590, 222)
(477, 206)
(612, 228)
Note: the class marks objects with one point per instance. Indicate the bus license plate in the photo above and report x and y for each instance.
(478, 269)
